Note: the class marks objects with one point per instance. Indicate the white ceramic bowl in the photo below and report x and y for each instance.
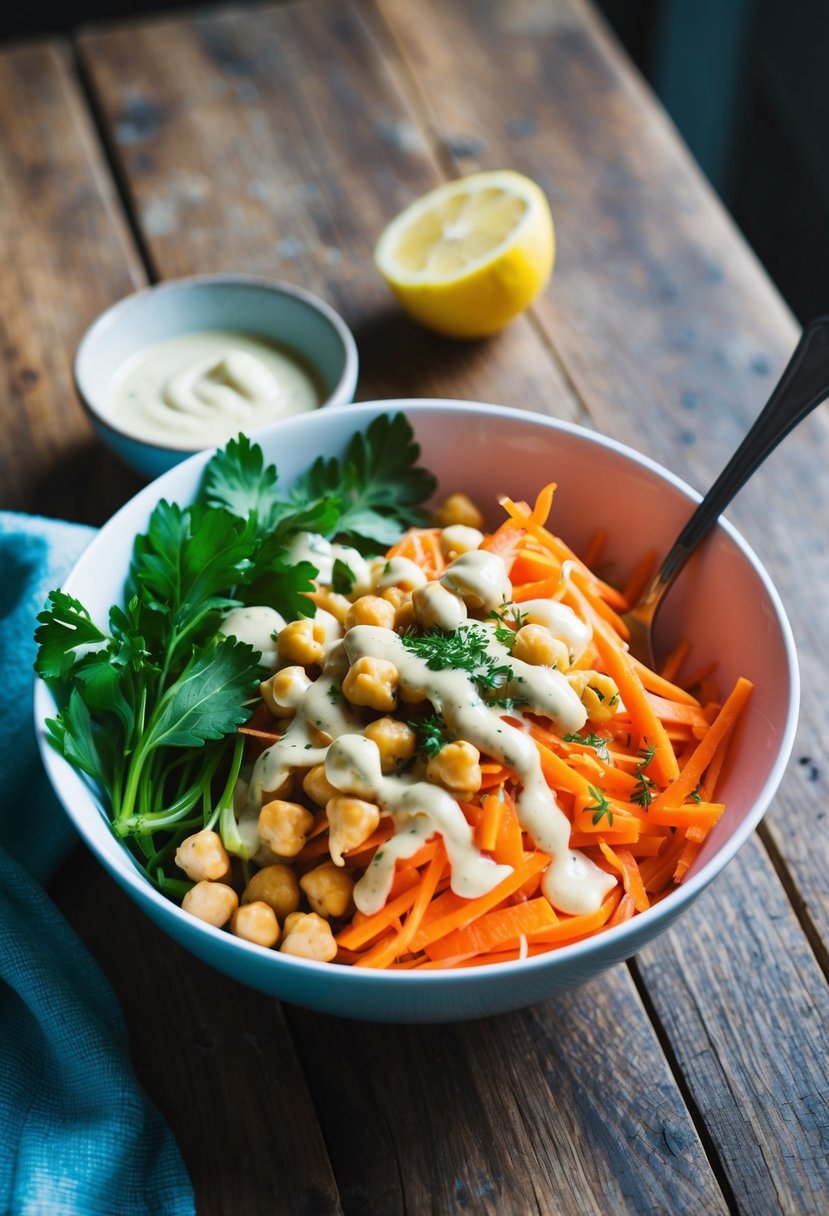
(299, 321)
(725, 596)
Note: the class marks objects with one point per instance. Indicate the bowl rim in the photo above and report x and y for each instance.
(622, 937)
(341, 394)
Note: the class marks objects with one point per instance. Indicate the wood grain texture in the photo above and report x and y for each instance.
(236, 155)
(276, 141)
(562, 1108)
(673, 335)
(746, 1013)
(66, 257)
(216, 1058)
(660, 314)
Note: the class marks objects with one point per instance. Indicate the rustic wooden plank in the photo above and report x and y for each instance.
(741, 985)
(672, 335)
(68, 256)
(235, 153)
(217, 1059)
(277, 142)
(197, 1039)
(561, 1108)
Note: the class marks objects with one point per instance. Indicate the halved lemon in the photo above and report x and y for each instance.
(468, 257)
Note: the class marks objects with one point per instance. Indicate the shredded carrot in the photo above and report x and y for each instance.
(639, 786)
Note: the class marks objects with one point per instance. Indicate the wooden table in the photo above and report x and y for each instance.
(280, 140)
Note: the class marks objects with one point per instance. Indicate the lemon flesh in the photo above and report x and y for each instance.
(471, 255)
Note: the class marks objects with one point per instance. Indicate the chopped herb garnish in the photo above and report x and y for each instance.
(643, 790)
(431, 734)
(695, 795)
(600, 807)
(464, 650)
(333, 693)
(597, 742)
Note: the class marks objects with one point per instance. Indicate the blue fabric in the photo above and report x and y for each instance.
(77, 1134)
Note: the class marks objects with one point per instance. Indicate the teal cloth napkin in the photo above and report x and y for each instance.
(77, 1135)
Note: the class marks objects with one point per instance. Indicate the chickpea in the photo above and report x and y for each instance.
(372, 682)
(411, 695)
(350, 823)
(283, 827)
(456, 767)
(329, 890)
(331, 601)
(213, 902)
(400, 572)
(203, 855)
(283, 692)
(404, 616)
(257, 923)
(395, 741)
(598, 693)
(317, 786)
(370, 610)
(309, 936)
(302, 641)
(277, 886)
(460, 538)
(283, 788)
(458, 509)
(395, 596)
(535, 644)
(437, 607)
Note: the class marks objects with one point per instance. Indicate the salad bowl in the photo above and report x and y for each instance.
(487, 451)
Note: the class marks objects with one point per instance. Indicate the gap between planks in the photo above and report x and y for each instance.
(111, 160)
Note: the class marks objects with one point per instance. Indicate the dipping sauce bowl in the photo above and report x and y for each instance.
(302, 326)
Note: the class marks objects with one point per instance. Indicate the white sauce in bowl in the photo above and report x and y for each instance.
(201, 389)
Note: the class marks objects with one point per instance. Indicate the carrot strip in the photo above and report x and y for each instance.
(654, 682)
(386, 952)
(621, 667)
(571, 927)
(543, 590)
(639, 577)
(490, 822)
(492, 930)
(625, 863)
(471, 909)
(595, 548)
(673, 663)
(624, 911)
(689, 778)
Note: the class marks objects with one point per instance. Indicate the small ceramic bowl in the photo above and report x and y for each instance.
(724, 603)
(298, 321)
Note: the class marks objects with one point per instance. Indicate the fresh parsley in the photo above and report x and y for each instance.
(149, 705)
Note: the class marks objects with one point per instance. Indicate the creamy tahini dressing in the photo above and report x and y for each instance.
(201, 389)
(258, 627)
(479, 578)
(322, 553)
(572, 882)
(326, 728)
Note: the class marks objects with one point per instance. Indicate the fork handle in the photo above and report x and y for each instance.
(802, 387)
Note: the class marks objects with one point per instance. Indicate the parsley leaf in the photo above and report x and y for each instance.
(378, 486)
(343, 577)
(65, 628)
(238, 481)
